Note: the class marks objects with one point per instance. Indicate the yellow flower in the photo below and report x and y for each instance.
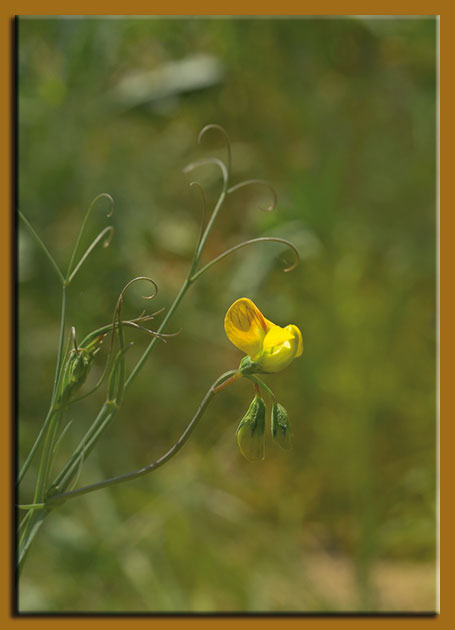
(270, 347)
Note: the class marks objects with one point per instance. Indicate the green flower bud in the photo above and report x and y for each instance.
(80, 367)
(251, 430)
(77, 368)
(281, 427)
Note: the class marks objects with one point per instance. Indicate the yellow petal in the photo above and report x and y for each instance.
(296, 332)
(246, 327)
(280, 347)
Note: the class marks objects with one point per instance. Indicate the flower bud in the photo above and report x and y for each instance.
(281, 427)
(251, 430)
(77, 368)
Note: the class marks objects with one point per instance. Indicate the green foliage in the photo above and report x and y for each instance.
(337, 114)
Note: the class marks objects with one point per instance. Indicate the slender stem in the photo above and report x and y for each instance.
(31, 506)
(34, 523)
(257, 381)
(58, 369)
(108, 230)
(201, 230)
(32, 526)
(35, 446)
(43, 247)
(34, 518)
(227, 377)
(228, 382)
(46, 458)
(24, 520)
(98, 427)
(52, 409)
(82, 230)
(169, 314)
(187, 283)
(48, 434)
(219, 203)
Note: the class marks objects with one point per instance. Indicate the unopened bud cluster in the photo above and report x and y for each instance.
(251, 430)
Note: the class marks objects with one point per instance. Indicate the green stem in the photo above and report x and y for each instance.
(203, 240)
(57, 378)
(186, 285)
(35, 521)
(108, 230)
(156, 464)
(237, 374)
(31, 529)
(46, 458)
(34, 518)
(147, 351)
(43, 247)
(87, 443)
(58, 369)
(258, 381)
(82, 230)
(32, 506)
(48, 434)
(35, 446)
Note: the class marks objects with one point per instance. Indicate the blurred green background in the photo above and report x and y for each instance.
(339, 116)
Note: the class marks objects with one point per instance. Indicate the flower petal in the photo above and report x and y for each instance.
(294, 330)
(246, 327)
(280, 347)
(276, 337)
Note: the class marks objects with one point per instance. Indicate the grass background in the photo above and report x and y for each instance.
(339, 116)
